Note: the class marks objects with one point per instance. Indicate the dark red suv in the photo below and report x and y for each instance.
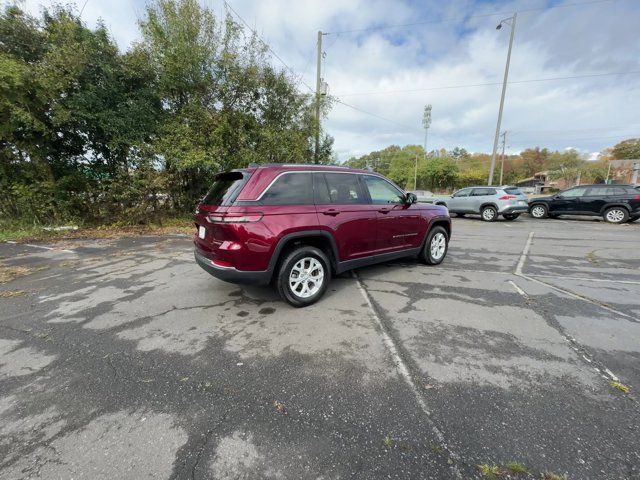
(297, 225)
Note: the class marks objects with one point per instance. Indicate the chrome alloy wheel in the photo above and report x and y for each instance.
(537, 211)
(488, 213)
(306, 277)
(438, 246)
(615, 215)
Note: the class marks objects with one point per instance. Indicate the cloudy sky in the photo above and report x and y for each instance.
(376, 62)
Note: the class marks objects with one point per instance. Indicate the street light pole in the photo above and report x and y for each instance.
(316, 153)
(512, 20)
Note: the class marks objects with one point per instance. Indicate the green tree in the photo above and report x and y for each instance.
(627, 149)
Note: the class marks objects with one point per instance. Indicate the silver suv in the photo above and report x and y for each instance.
(489, 202)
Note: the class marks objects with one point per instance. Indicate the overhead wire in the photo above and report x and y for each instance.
(455, 19)
(470, 85)
(268, 47)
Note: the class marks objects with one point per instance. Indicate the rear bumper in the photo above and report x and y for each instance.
(230, 274)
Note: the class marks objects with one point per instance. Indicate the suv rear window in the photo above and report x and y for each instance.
(290, 189)
(226, 188)
(513, 191)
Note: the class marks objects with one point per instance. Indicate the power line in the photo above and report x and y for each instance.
(486, 84)
(295, 75)
(455, 19)
(538, 140)
(577, 130)
(375, 115)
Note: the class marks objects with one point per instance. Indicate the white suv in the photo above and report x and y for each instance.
(489, 202)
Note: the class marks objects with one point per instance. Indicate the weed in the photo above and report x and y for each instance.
(387, 442)
(621, 386)
(489, 471)
(516, 468)
(553, 476)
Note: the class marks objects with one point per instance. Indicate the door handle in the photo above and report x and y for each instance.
(332, 211)
(384, 210)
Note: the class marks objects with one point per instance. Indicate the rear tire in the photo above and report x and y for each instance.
(616, 215)
(435, 246)
(509, 217)
(539, 211)
(489, 214)
(303, 276)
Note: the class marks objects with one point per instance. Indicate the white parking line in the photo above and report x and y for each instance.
(525, 253)
(518, 289)
(41, 247)
(403, 370)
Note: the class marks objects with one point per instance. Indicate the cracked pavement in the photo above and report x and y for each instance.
(123, 359)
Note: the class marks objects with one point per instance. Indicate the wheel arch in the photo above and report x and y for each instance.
(614, 205)
(489, 204)
(315, 238)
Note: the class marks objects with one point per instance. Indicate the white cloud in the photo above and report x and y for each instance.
(586, 113)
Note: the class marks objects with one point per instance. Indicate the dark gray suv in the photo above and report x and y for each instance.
(488, 202)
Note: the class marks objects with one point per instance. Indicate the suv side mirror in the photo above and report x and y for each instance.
(410, 198)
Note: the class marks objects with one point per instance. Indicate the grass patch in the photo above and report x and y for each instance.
(553, 476)
(621, 386)
(489, 471)
(516, 468)
(20, 232)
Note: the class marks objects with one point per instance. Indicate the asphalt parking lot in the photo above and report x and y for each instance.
(123, 359)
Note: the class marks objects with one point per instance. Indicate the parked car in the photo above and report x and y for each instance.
(297, 225)
(423, 196)
(614, 203)
(489, 202)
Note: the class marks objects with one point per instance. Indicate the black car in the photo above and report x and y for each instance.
(614, 203)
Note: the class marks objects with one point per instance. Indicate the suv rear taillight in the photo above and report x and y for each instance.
(235, 218)
(637, 197)
(508, 197)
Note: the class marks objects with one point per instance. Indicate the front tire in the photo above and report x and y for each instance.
(435, 247)
(303, 276)
(489, 214)
(616, 215)
(509, 217)
(539, 211)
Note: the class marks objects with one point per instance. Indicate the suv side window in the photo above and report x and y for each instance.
(574, 192)
(338, 189)
(614, 191)
(290, 189)
(482, 192)
(381, 191)
(462, 193)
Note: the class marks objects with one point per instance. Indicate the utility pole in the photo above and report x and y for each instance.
(512, 20)
(636, 169)
(504, 142)
(316, 155)
(608, 173)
